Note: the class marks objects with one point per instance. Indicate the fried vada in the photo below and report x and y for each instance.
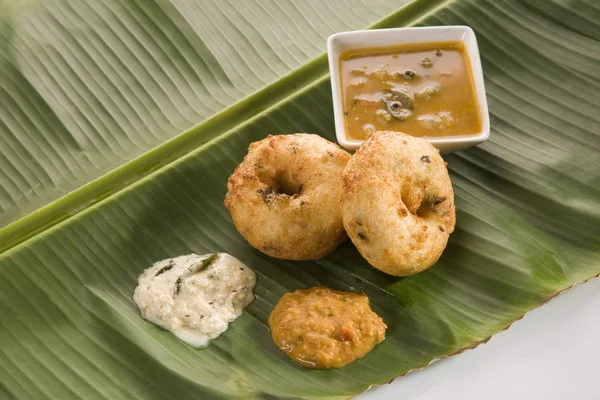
(398, 204)
(284, 198)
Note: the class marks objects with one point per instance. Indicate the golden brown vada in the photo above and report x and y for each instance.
(285, 196)
(398, 205)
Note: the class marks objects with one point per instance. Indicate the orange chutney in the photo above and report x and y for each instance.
(324, 328)
(423, 89)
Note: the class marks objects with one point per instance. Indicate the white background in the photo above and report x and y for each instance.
(552, 353)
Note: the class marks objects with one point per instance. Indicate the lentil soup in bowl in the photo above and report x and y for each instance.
(425, 82)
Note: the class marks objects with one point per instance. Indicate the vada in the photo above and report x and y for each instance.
(398, 204)
(284, 198)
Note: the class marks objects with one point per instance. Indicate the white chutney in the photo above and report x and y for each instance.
(195, 297)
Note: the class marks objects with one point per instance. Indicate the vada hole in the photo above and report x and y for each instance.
(428, 205)
(425, 210)
(285, 185)
(412, 197)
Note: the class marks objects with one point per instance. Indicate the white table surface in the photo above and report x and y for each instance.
(552, 353)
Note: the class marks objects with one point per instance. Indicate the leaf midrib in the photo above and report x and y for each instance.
(191, 139)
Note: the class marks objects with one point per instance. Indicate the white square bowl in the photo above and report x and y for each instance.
(355, 40)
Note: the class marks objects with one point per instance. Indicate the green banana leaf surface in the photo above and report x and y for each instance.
(122, 120)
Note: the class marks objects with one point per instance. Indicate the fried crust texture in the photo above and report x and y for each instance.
(285, 196)
(398, 204)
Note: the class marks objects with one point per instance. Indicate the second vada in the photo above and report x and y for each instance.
(398, 205)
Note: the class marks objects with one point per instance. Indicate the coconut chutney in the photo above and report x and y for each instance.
(195, 297)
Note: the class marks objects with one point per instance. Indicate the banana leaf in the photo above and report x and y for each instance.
(528, 219)
(90, 86)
